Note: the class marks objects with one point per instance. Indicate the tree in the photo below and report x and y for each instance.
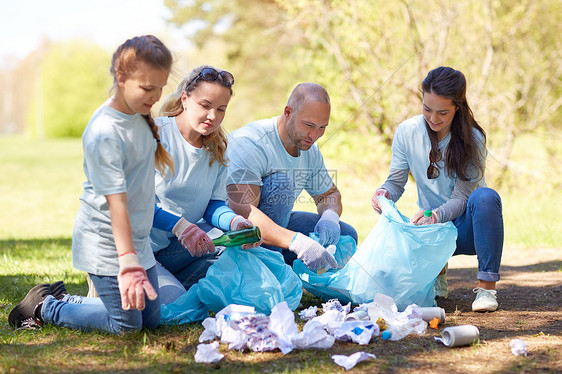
(258, 50)
(73, 81)
(372, 55)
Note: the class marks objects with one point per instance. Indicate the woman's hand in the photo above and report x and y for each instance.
(375, 199)
(239, 223)
(192, 238)
(419, 218)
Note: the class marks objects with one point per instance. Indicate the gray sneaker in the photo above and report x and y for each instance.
(485, 301)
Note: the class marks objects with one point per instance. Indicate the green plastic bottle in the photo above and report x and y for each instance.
(427, 213)
(238, 237)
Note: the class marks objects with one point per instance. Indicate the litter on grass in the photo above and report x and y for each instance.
(241, 327)
(349, 362)
(518, 347)
(208, 353)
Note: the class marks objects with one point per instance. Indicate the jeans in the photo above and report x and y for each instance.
(181, 264)
(103, 313)
(480, 232)
(276, 202)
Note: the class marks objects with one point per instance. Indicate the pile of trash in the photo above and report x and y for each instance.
(242, 328)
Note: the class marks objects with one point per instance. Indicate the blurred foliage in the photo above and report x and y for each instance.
(372, 56)
(74, 81)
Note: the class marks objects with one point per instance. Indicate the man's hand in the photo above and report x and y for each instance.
(311, 253)
(328, 228)
(192, 238)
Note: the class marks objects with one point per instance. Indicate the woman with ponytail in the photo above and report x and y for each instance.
(445, 150)
(193, 200)
(111, 232)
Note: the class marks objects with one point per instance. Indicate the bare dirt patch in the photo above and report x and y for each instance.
(530, 298)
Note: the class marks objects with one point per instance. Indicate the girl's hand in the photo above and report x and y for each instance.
(133, 283)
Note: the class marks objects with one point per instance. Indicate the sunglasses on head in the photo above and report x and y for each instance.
(432, 169)
(211, 75)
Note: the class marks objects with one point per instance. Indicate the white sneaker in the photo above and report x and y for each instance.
(485, 300)
(441, 286)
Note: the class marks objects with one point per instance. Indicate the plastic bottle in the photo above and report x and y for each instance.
(238, 237)
(426, 218)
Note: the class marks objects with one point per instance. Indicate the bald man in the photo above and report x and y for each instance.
(271, 162)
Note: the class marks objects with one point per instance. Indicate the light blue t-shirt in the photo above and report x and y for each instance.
(256, 151)
(410, 150)
(188, 192)
(118, 157)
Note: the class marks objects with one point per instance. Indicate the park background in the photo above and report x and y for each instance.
(370, 55)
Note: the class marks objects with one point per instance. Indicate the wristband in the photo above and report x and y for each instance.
(126, 253)
(180, 226)
(127, 260)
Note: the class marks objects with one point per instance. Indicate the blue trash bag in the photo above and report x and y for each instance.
(345, 248)
(257, 277)
(186, 309)
(397, 259)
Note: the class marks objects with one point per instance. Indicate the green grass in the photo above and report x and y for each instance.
(39, 192)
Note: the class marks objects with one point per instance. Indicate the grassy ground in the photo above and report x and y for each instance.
(39, 194)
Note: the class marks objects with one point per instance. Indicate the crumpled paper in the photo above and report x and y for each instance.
(208, 353)
(348, 362)
(334, 304)
(399, 324)
(282, 324)
(518, 347)
(210, 333)
(359, 332)
(308, 313)
(241, 327)
(313, 335)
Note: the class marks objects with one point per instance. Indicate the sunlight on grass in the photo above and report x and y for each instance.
(40, 199)
(44, 183)
(40, 188)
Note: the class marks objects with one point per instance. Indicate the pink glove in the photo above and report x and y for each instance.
(192, 238)
(375, 199)
(419, 219)
(239, 223)
(133, 283)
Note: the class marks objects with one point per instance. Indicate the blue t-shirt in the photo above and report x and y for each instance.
(256, 151)
(410, 150)
(118, 157)
(187, 193)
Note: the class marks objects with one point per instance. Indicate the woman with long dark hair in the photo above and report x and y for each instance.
(445, 150)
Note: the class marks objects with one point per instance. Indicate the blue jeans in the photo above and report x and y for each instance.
(480, 232)
(276, 202)
(103, 313)
(181, 264)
